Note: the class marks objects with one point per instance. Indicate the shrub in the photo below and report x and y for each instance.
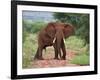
(29, 49)
(37, 26)
(81, 59)
(74, 43)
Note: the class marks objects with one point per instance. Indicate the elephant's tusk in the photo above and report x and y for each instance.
(64, 40)
(54, 40)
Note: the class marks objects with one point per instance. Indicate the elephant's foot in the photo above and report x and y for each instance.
(63, 58)
(56, 58)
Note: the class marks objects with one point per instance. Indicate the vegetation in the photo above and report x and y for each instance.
(74, 43)
(81, 59)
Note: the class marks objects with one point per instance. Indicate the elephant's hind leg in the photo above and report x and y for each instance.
(38, 54)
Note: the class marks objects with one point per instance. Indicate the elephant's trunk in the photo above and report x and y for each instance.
(59, 37)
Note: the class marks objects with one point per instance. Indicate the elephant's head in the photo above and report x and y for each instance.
(66, 28)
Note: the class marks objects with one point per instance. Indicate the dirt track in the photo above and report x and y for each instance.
(50, 62)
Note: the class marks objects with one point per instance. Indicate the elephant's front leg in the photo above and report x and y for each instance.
(63, 49)
(56, 52)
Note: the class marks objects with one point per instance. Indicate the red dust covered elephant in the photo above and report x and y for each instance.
(53, 35)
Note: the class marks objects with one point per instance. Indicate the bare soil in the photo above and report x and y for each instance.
(49, 60)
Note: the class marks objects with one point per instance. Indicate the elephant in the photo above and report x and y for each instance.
(53, 35)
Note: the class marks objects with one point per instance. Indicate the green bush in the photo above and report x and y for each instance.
(37, 26)
(74, 43)
(82, 51)
(33, 27)
(81, 59)
(29, 49)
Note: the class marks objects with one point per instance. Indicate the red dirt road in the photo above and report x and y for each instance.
(50, 62)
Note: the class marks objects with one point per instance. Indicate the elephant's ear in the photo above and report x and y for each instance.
(50, 30)
(68, 30)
